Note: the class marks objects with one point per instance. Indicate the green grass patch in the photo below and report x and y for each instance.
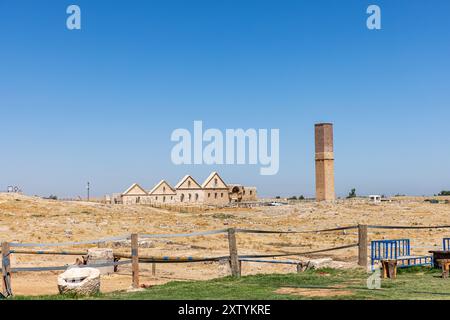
(221, 215)
(422, 283)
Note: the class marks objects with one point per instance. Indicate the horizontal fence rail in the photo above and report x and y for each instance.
(152, 259)
(408, 227)
(287, 254)
(56, 253)
(173, 235)
(270, 261)
(295, 232)
(181, 259)
(56, 268)
(181, 235)
(67, 244)
(211, 232)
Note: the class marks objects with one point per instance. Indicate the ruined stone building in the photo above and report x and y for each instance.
(213, 190)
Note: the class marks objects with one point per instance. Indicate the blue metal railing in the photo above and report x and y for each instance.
(399, 249)
(390, 249)
(446, 244)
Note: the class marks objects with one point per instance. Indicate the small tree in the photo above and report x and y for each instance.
(301, 197)
(352, 194)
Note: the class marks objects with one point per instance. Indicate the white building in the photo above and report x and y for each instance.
(374, 198)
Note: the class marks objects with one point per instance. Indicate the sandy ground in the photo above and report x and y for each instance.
(29, 219)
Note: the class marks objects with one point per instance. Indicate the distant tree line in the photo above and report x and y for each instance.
(295, 198)
(352, 194)
(51, 197)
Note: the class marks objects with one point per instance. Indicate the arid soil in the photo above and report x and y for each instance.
(314, 292)
(31, 219)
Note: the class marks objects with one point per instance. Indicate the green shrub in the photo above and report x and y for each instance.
(352, 194)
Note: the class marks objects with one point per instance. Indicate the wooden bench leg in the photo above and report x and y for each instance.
(445, 270)
(389, 269)
(384, 267)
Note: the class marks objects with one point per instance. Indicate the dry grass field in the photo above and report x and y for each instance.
(31, 219)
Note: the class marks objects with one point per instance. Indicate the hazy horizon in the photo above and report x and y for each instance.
(99, 104)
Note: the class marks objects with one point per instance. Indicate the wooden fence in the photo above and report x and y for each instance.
(235, 260)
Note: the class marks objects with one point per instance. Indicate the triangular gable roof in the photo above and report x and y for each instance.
(160, 184)
(185, 178)
(135, 186)
(210, 177)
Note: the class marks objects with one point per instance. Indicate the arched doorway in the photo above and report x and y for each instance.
(236, 194)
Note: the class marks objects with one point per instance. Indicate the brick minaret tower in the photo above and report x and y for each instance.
(324, 162)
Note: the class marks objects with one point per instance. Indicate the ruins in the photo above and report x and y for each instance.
(188, 191)
(324, 162)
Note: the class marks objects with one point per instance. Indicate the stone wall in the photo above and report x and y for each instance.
(249, 194)
(189, 195)
(216, 196)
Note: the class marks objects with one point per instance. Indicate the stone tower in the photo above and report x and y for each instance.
(324, 162)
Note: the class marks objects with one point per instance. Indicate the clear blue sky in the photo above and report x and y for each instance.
(100, 104)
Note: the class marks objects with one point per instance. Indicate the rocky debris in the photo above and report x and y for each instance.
(131, 289)
(198, 247)
(127, 244)
(100, 256)
(320, 263)
(146, 244)
(323, 263)
(79, 281)
(224, 268)
(81, 262)
(121, 244)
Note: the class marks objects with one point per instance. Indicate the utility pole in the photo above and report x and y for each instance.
(87, 187)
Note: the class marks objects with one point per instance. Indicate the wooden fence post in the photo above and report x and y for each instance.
(362, 245)
(153, 269)
(234, 258)
(135, 260)
(6, 270)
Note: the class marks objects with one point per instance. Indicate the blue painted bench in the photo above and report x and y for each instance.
(400, 250)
